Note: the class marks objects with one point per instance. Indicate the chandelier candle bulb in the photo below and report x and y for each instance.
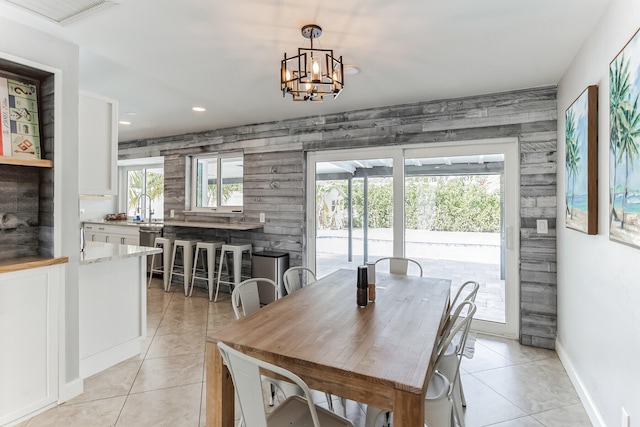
(371, 280)
(362, 288)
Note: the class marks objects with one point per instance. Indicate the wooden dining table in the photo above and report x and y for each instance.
(382, 354)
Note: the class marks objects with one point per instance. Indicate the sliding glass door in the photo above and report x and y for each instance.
(453, 208)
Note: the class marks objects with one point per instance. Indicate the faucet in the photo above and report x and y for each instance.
(148, 206)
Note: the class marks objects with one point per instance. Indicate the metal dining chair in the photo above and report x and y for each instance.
(294, 410)
(245, 299)
(467, 292)
(296, 277)
(400, 265)
(439, 405)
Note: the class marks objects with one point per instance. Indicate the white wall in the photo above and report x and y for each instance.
(598, 280)
(19, 42)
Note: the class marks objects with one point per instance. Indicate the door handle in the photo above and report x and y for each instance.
(509, 237)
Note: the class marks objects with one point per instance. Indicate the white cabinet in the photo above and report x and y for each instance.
(29, 333)
(119, 234)
(98, 148)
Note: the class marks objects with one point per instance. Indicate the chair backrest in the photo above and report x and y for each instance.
(246, 295)
(470, 293)
(458, 328)
(245, 373)
(294, 280)
(400, 265)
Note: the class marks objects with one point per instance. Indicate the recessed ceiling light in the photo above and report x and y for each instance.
(124, 122)
(351, 70)
(199, 109)
(131, 113)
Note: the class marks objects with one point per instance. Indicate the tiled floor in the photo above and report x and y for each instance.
(506, 385)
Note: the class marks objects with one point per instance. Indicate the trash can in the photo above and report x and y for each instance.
(270, 265)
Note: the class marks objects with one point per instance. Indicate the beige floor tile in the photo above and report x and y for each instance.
(534, 387)
(512, 350)
(115, 381)
(485, 406)
(484, 359)
(176, 344)
(170, 371)
(568, 416)
(167, 407)
(178, 324)
(97, 413)
(519, 422)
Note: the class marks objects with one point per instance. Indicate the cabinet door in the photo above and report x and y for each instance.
(29, 330)
(98, 148)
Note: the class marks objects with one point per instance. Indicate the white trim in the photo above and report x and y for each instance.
(105, 359)
(509, 146)
(585, 397)
(192, 178)
(68, 391)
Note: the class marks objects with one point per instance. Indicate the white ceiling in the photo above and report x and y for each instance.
(159, 58)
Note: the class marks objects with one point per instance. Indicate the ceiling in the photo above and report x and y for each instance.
(161, 58)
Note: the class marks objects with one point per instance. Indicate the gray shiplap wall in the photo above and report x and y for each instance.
(275, 165)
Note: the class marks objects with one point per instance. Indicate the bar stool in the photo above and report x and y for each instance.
(237, 249)
(167, 246)
(210, 249)
(186, 247)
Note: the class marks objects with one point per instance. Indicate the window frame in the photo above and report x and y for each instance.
(193, 181)
(142, 164)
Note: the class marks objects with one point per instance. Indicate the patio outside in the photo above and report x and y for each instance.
(458, 256)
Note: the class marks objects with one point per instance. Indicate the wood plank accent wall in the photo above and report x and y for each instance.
(274, 175)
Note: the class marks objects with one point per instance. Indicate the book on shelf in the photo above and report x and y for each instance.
(20, 124)
(5, 124)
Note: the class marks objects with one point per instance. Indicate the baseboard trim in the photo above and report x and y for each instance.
(70, 390)
(588, 403)
(105, 359)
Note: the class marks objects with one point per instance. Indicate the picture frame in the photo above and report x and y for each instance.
(624, 145)
(581, 166)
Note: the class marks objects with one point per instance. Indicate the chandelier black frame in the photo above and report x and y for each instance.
(313, 73)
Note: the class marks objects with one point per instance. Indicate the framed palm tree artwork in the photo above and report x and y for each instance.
(624, 145)
(581, 184)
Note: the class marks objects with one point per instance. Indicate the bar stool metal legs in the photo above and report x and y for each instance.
(236, 250)
(210, 249)
(167, 246)
(186, 247)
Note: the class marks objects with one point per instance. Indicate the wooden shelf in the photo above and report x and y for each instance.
(40, 163)
(17, 264)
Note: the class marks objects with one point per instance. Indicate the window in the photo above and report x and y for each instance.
(142, 188)
(217, 183)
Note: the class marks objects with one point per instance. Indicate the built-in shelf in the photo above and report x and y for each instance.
(40, 163)
(17, 264)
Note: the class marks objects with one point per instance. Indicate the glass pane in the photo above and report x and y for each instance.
(134, 190)
(453, 224)
(231, 170)
(206, 182)
(354, 213)
(155, 190)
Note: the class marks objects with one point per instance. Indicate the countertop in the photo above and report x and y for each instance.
(144, 224)
(222, 226)
(103, 252)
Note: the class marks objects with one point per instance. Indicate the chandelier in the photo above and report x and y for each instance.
(313, 73)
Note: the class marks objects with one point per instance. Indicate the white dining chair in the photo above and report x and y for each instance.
(296, 410)
(245, 299)
(400, 265)
(439, 405)
(297, 277)
(456, 349)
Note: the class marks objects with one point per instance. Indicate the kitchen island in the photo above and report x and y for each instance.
(113, 304)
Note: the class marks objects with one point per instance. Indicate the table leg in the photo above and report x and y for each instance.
(219, 392)
(408, 409)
